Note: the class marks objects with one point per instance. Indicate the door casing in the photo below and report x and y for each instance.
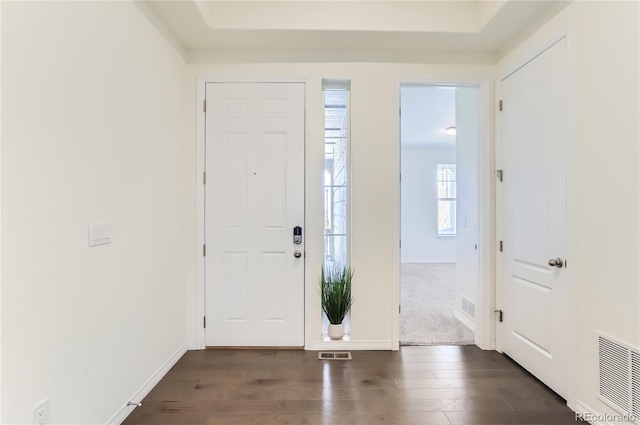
(310, 241)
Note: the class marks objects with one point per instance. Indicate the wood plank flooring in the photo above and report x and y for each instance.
(446, 385)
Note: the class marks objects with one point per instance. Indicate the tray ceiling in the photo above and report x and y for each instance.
(480, 28)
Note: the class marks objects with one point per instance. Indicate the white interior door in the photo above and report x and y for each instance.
(536, 293)
(254, 198)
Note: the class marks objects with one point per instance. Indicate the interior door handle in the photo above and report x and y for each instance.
(556, 262)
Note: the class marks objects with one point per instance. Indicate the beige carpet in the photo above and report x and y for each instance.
(428, 300)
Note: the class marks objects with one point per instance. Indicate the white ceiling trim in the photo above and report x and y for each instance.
(452, 31)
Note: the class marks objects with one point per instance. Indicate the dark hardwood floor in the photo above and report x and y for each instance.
(417, 385)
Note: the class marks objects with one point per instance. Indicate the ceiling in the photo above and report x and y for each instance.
(435, 31)
(207, 31)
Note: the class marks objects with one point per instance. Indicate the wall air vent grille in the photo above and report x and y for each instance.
(635, 385)
(468, 306)
(620, 377)
(614, 373)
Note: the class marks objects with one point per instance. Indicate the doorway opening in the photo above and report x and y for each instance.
(439, 129)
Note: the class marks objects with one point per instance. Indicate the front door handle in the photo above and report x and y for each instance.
(297, 254)
(556, 262)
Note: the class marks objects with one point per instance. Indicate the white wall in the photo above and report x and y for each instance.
(604, 40)
(467, 145)
(0, 214)
(419, 205)
(93, 130)
(375, 168)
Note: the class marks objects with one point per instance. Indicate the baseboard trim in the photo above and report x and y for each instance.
(428, 260)
(146, 388)
(350, 345)
(465, 321)
(192, 345)
(587, 414)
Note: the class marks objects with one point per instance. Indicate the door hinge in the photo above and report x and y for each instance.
(399, 309)
(500, 105)
(499, 313)
(204, 250)
(204, 321)
(500, 246)
(400, 243)
(499, 174)
(204, 106)
(204, 177)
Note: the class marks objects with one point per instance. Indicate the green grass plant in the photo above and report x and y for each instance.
(335, 291)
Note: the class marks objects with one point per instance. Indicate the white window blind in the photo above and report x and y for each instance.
(446, 199)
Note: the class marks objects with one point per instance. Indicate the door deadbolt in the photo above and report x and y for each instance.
(297, 235)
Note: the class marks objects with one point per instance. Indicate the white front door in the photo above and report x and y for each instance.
(254, 198)
(536, 293)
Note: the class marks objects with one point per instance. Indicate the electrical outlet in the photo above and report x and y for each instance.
(40, 412)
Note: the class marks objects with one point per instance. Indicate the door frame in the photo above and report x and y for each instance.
(200, 307)
(529, 55)
(485, 303)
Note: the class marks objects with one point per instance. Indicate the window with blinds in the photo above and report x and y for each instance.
(446, 199)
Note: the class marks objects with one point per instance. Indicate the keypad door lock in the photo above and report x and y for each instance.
(297, 235)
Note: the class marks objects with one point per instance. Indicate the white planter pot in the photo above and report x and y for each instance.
(336, 331)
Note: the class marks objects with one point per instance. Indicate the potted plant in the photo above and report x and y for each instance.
(335, 292)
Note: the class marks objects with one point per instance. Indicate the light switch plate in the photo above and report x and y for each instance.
(99, 234)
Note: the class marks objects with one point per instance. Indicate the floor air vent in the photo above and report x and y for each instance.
(620, 376)
(334, 355)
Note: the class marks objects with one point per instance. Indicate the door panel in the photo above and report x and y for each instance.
(235, 291)
(235, 181)
(274, 164)
(254, 197)
(536, 295)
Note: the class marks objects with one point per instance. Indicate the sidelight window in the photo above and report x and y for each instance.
(336, 174)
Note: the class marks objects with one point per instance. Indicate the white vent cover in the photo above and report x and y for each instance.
(635, 384)
(620, 376)
(468, 306)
